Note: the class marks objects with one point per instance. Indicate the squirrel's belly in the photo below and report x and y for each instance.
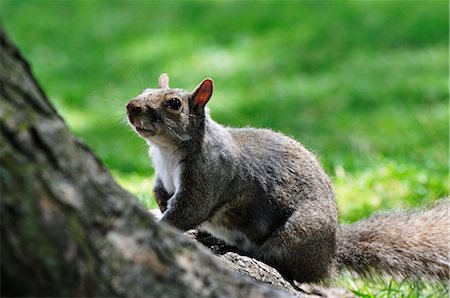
(230, 236)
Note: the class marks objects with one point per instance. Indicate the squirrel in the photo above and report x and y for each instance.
(267, 195)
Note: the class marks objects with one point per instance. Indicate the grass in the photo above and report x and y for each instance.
(386, 287)
(362, 84)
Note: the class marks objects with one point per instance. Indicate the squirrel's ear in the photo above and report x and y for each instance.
(202, 93)
(163, 81)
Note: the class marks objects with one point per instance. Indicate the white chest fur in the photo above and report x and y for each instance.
(167, 167)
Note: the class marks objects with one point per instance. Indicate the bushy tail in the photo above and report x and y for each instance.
(412, 244)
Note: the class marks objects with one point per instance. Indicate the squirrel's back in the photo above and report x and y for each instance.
(277, 172)
(283, 166)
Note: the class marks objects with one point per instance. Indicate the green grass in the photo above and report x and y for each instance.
(362, 84)
(386, 287)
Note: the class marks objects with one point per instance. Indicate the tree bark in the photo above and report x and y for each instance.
(67, 229)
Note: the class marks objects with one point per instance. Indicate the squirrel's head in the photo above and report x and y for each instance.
(166, 116)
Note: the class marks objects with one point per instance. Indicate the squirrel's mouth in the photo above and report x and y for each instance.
(145, 132)
(142, 128)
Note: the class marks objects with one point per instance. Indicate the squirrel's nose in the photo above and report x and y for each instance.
(134, 109)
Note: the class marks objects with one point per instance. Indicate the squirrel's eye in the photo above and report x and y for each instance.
(174, 103)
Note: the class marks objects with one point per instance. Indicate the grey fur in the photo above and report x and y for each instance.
(399, 243)
(264, 193)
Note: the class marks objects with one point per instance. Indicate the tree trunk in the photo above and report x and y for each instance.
(67, 229)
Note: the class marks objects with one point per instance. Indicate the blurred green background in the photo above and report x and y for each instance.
(362, 84)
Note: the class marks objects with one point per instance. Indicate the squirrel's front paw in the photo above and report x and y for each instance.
(161, 198)
(161, 204)
(216, 245)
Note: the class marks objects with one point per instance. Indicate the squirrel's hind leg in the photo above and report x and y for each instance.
(303, 249)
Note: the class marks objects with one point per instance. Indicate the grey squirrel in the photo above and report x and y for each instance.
(267, 195)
